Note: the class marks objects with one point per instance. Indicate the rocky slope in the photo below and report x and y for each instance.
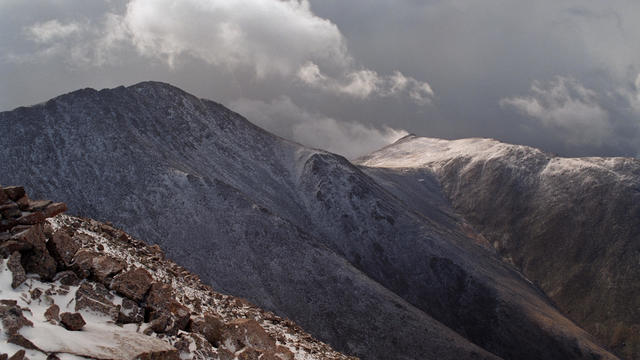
(298, 231)
(571, 225)
(72, 287)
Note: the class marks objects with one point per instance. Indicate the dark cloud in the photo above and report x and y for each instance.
(558, 75)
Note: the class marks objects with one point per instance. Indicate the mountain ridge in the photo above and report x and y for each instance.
(296, 230)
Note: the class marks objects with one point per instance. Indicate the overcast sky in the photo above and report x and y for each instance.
(352, 76)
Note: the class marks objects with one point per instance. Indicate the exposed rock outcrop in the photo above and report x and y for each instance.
(90, 296)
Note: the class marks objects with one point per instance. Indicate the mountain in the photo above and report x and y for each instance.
(298, 231)
(79, 288)
(571, 225)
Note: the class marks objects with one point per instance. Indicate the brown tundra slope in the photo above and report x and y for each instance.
(571, 225)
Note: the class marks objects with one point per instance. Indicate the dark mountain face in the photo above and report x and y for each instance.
(375, 271)
(571, 225)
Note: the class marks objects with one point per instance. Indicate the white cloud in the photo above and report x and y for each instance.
(286, 119)
(52, 30)
(565, 105)
(365, 83)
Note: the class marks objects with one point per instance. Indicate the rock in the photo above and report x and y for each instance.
(19, 355)
(63, 248)
(54, 209)
(158, 299)
(248, 332)
(41, 263)
(23, 203)
(52, 357)
(14, 192)
(12, 318)
(130, 312)
(7, 224)
(106, 266)
(52, 314)
(210, 326)
(31, 218)
(249, 354)
(72, 321)
(38, 205)
(159, 355)
(31, 235)
(132, 284)
(180, 315)
(3, 196)
(159, 324)
(35, 293)
(94, 296)
(18, 274)
(10, 210)
(21, 341)
(67, 277)
(11, 246)
(83, 261)
(225, 354)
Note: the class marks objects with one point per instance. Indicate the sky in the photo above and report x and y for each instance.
(352, 76)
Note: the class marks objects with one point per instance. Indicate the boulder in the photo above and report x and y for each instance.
(94, 296)
(158, 299)
(32, 235)
(52, 314)
(83, 262)
(31, 218)
(159, 355)
(104, 267)
(41, 263)
(68, 278)
(249, 333)
(19, 355)
(12, 318)
(249, 354)
(10, 210)
(14, 192)
(23, 203)
(72, 321)
(63, 248)
(209, 326)
(37, 205)
(54, 209)
(132, 284)
(130, 312)
(15, 266)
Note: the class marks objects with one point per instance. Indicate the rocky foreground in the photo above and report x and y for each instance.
(76, 288)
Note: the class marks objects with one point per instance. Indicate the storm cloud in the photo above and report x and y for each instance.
(352, 76)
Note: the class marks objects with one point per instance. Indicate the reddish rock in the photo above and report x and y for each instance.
(180, 315)
(225, 354)
(14, 192)
(10, 246)
(63, 248)
(19, 355)
(35, 293)
(54, 209)
(132, 284)
(72, 321)
(68, 278)
(248, 332)
(96, 297)
(103, 267)
(7, 224)
(52, 314)
(249, 354)
(130, 312)
(159, 355)
(10, 210)
(12, 318)
(41, 263)
(159, 324)
(31, 218)
(15, 266)
(210, 326)
(31, 235)
(23, 203)
(159, 297)
(3, 196)
(37, 205)
(83, 261)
